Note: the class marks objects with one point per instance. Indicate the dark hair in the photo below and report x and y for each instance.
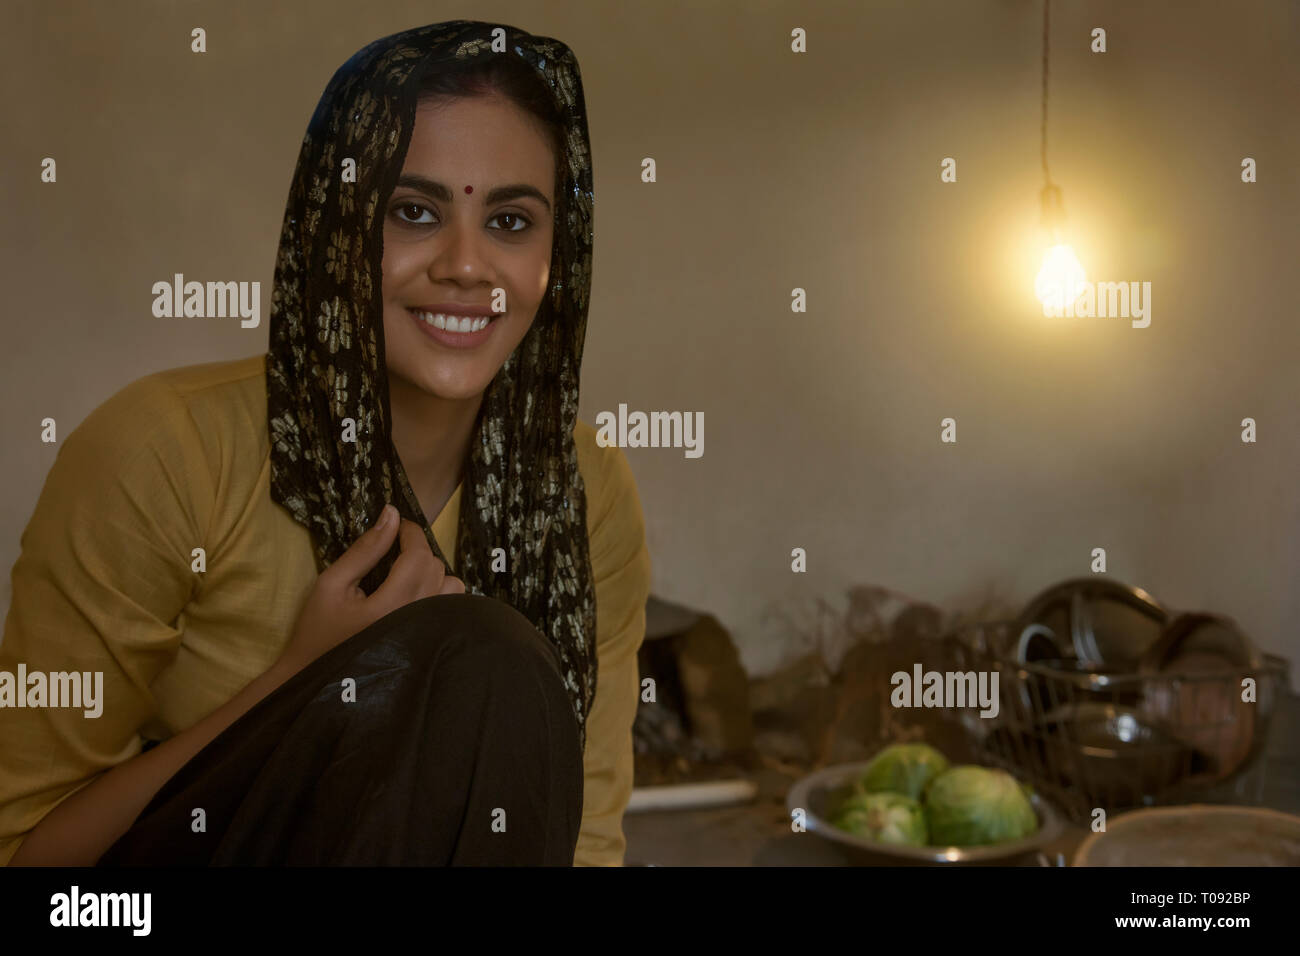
(511, 77)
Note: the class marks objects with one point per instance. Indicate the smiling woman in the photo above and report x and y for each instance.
(464, 271)
(327, 685)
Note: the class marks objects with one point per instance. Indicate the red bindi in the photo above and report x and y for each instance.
(469, 189)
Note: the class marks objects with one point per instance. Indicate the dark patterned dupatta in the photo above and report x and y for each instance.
(522, 488)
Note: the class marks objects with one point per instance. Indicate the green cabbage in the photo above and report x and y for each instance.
(903, 768)
(970, 806)
(883, 817)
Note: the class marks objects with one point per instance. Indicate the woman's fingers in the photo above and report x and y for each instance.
(415, 574)
(364, 553)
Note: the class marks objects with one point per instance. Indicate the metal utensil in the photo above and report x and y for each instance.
(816, 793)
(1037, 642)
(1102, 620)
(1116, 752)
(1195, 835)
(1199, 665)
(1202, 633)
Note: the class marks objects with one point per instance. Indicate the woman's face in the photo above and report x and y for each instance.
(446, 250)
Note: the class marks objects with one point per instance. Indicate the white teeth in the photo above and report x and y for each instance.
(454, 323)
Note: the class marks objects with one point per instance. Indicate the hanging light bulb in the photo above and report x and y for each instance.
(1061, 279)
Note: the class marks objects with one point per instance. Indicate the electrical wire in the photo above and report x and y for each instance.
(1047, 5)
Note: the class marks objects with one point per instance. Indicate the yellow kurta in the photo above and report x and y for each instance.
(180, 460)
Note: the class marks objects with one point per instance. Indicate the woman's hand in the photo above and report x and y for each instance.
(82, 827)
(337, 608)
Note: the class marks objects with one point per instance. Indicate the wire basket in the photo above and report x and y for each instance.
(1090, 737)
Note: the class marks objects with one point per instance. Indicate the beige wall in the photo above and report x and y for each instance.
(775, 171)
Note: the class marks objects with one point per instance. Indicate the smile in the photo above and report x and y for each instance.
(455, 331)
(453, 323)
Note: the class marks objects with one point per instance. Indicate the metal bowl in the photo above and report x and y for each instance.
(1195, 835)
(816, 792)
(1115, 752)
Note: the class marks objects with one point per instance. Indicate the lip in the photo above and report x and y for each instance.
(454, 340)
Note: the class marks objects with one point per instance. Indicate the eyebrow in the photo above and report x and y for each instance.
(500, 194)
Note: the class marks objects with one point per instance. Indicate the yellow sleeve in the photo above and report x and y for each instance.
(99, 586)
(621, 565)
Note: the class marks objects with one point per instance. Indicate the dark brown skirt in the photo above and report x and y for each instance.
(460, 749)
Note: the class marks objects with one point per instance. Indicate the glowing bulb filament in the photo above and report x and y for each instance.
(1060, 281)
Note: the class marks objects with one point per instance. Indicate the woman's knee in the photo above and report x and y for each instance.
(487, 630)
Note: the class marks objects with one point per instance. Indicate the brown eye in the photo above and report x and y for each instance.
(409, 207)
(517, 218)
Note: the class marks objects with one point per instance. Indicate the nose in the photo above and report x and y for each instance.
(460, 253)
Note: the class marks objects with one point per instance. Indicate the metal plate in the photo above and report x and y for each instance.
(1196, 835)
